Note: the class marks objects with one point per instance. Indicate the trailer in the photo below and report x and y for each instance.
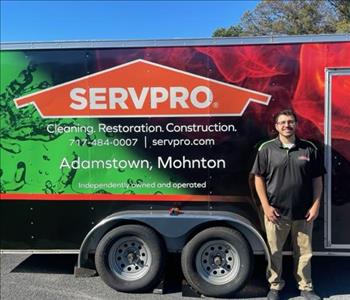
(125, 151)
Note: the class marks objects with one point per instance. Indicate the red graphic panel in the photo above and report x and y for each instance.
(308, 97)
(340, 126)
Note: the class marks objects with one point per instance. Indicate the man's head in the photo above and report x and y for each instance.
(285, 123)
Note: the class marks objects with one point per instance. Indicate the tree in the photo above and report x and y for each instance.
(235, 30)
(292, 17)
(342, 8)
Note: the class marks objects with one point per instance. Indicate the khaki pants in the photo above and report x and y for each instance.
(302, 251)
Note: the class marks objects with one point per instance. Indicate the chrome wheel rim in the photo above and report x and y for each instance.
(130, 258)
(217, 262)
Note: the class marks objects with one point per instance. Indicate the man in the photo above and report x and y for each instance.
(288, 180)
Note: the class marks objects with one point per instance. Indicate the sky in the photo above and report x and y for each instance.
(116, 20)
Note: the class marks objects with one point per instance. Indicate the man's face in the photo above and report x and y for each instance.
(286, 125)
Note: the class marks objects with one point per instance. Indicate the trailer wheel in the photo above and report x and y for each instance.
(217, 262)
(130, 258)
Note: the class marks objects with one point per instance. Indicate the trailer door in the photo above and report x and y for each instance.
(337, 158)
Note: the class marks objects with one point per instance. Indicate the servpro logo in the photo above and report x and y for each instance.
(126, 98)
(142, 89)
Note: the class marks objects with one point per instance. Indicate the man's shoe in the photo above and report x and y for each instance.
(273, 295)
(309, 295)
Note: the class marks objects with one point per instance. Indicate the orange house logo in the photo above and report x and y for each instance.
(142, 89)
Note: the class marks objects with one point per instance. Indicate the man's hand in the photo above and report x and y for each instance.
(317, 186)
(271, 213)
(312, 214)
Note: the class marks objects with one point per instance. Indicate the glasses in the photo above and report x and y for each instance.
(286, 123)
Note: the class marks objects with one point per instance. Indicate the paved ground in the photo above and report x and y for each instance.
(51, 277)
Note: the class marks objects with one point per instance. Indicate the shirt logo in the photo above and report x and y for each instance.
(303, 157)
(142, 88)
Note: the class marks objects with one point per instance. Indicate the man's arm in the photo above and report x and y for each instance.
(317, 186)
(270, 212)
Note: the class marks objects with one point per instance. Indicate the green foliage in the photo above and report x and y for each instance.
(236, 30)
(292, 17)
(342, 9)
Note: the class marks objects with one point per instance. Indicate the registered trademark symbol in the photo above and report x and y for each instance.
(215, 105)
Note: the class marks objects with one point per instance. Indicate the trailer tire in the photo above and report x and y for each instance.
(217, 262)
(130, 258)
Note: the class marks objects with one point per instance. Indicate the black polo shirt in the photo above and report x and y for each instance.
(288, 175)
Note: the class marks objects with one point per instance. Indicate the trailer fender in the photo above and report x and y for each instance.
(174, 229)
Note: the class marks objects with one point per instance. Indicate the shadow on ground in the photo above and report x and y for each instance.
(48, 264)
(330, 275)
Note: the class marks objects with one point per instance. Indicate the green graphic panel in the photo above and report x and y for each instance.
(37, 159)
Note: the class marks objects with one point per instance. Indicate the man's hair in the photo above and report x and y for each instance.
(285, 112)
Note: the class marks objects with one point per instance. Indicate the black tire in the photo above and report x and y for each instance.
(130, 258)
(234, 257)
